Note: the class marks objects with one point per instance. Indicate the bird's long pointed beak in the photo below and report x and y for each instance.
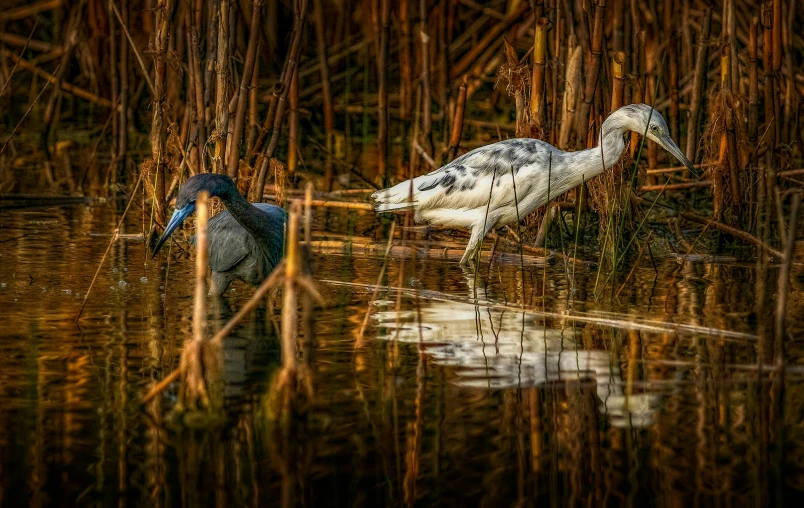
(178, 217)
(670, 145)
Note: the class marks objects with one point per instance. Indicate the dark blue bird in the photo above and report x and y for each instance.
(246, 241)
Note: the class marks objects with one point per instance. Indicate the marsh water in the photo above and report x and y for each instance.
(504, 386)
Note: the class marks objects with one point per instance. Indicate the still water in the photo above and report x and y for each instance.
(655, 393)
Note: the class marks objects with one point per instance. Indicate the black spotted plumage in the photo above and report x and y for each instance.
(477, 190)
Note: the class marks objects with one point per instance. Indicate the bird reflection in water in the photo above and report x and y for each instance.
(493, 348)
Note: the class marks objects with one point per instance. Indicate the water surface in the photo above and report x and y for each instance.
(493, 388)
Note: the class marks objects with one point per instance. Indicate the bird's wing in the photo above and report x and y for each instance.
(229, 243)
(466, 182)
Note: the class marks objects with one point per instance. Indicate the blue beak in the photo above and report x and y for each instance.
(178, 217)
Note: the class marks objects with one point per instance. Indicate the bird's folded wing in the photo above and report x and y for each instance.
(467, 181)
(229, 243)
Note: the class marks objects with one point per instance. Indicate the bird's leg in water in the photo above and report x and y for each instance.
(473, 247)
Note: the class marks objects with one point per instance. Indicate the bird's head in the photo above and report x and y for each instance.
(214, 184)
(645, 120)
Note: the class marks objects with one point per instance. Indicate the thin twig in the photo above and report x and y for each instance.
(115, 234)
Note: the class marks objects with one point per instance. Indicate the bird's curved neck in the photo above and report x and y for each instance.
(608, 152)
(243, 212)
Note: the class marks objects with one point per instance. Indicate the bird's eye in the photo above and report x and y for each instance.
(654, 128)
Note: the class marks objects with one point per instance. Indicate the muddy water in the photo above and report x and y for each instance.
(655, 393)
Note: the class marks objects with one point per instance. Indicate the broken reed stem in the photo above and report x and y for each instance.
(249, 75)
(698, 80)
(537, 104)
(293, 126)
(571, 92)
(516, 87)
(457, 121)
(618, 85)
(290, 298)
(201, 265)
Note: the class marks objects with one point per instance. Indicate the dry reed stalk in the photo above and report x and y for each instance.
(639, 94)
(326, 90)
(249, 73)
(683, 185)
(290, 297)
(571, 95)
(222, 79)
(537, 96)
(284, 85)
(293, 376)
(699, 77)
(24, 116)
(728, 140)
(201, 266)
(516, 76)
(293, 124)
(194, 58)
(70, 41)
(67, 87)
(784, 280)
(114, 82)
(158, 48)
(618, 85)
(381, 27)
(672, 52)
(771, 105)
(457, 121)
(253, 106)
(405, 62)
(777, 35)
(307, 298)
(491, 36)
(24, 11)
(426, 101)
(122, 122)
(592, 72)
(201, 363)
(753, 83)
(737, 233)
(442, 63)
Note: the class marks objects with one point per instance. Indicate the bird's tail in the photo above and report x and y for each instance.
(396, 198)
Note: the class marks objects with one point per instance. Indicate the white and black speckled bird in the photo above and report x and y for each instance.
(460, 193)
